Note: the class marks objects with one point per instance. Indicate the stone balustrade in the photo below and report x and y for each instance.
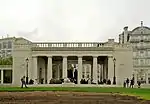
(71, 44)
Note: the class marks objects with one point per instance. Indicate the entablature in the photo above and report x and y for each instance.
(72, 48)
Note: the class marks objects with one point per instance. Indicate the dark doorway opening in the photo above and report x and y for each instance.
(75, 76)
(70, 73)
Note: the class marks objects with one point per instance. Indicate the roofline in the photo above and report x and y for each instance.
(140, 27)
(8, 38)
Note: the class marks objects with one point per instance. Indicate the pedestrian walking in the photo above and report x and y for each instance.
(23, 82)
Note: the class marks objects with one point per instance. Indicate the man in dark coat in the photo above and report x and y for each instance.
(23, 82)
(132, 83)
(127, 82)
(139, 84)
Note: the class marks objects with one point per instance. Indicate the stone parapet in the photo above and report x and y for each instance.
(71, 44)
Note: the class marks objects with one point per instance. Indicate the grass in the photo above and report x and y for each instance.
(141, 93)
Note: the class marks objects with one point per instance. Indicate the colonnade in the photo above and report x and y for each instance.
(80, 66)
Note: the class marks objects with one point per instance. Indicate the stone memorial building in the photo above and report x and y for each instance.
(43, 61)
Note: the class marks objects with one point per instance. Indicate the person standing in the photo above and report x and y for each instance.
(139, 84)
(132, 83)
(23, 82)
(124, 84)
(127, 82)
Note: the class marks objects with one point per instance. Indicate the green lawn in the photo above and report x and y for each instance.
(142, 93)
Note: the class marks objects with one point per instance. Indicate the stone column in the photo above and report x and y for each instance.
(99, 68)
(95, 69)
(64, 66)
(90, 71)
(2, 76)
(110, 68)
(35, 70)
(49, 69)
(135, 78)
(79, 69)
(147, 78)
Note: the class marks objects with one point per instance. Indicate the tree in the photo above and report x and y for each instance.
(6, 61)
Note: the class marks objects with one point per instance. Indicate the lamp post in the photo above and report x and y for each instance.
(27, 61)
(114, 79)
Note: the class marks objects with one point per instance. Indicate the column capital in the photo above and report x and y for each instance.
(65, 56)
(110, 56)
(34, 56)
(94, 56)
(80, 56)
(49, 56)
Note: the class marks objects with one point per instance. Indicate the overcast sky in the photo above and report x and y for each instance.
(71, 20)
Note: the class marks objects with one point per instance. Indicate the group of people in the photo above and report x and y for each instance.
(23, 82)
(130, 83)
(127, 83)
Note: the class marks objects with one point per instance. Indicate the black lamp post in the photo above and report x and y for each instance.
(114, 79)
(27, 61)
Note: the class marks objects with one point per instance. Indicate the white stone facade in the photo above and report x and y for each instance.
(139, 39)
(52, 60)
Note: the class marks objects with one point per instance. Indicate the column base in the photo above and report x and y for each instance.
(95, 81)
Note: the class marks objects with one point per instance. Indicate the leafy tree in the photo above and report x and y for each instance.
(6, 61)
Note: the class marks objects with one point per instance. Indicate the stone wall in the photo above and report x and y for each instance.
(23, 49)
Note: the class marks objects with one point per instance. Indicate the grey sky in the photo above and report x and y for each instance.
(71, 20)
